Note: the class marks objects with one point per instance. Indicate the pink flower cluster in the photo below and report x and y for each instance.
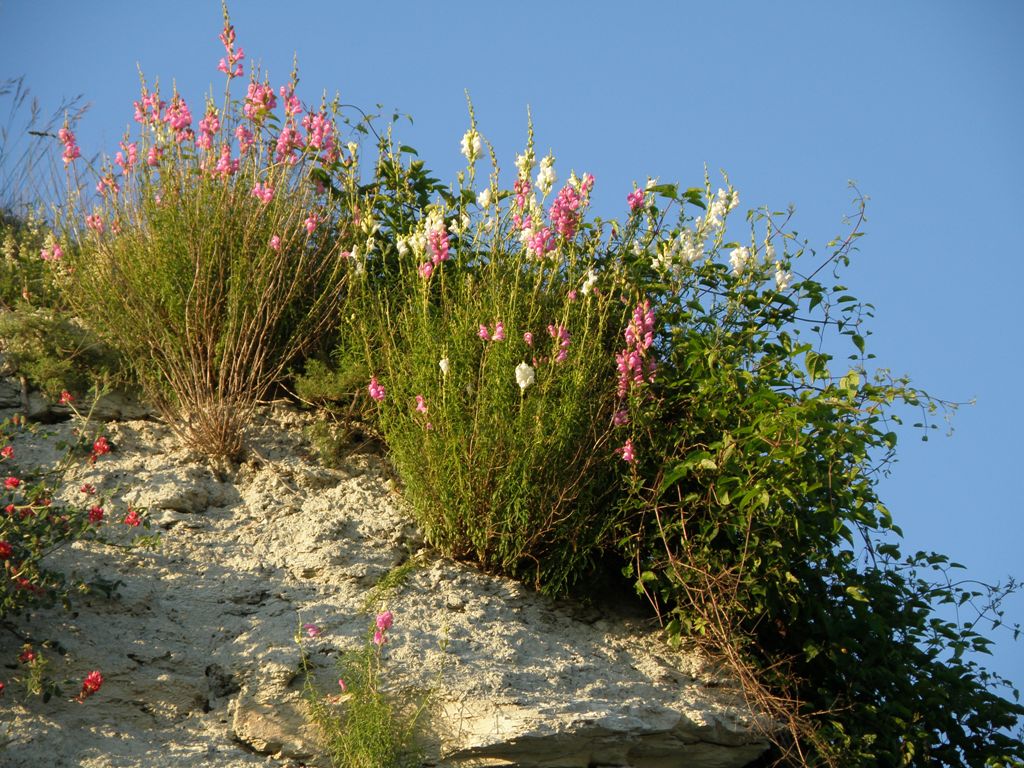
(437, 240)
(149, 109)
(245, 138)
(292, 105)
(498, 334)
(95, 223)
(52, 254)
(521, 187)
(320, 134)
(633, 365)
(565, 212)
(289, 141)
(561, 335)
(230, 65)
(71, 150)
(179, 117)
(208, 126)
(259, 100)
(132, 152)
(541, 242)
(383, 624)
(107, 184)
(153, 156)
(263, 192)
(635, 200)
(375, 389)
(226, 165)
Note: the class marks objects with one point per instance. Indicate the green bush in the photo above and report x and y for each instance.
(753, 517)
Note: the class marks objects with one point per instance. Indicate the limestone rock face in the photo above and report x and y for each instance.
(200, 642)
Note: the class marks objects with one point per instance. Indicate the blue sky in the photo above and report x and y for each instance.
(920, 102)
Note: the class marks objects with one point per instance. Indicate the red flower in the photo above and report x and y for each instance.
(88, 489)
(132, 518)
(27, 656)
(65, 398)
(92, 683)
(1, 689)
(7, 452)
(100, 447)
(5, 550)
(11, 483)
(95, 514)
(9, 509)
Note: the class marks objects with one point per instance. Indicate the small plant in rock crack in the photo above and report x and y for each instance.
(44, 509)
(362, 726)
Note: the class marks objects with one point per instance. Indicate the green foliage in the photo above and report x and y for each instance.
(755, 522)
(54, 352)
(365, 727)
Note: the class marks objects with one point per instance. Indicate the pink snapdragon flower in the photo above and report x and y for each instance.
(288, 142)
(148, 110)
(375, 389)
(153, 156)
(385, 620)
(208, 127)
(259, 100)
(421, 404)
(263, 192)
(226, 165)
(130, 157)
(635, 200)
(311, 222)
(560, 334)
(626, 451)
(71, 150)
(541, 242)
(426, 269)
(275, 243)
(230, 65)
(292, 105)
(95, 223)
(320, 134)
(633, 365)
(483, 333)
(499, 331)
(245, 138)
(179, 118)
(107, 184)
(438, 240)
(312, 630)
(565, 212)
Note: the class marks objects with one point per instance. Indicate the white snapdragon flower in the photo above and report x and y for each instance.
(443, 365)
(471, 145)
(782, 278)
(525, 376)
(546, 175)
(524, 163)
(484, 198)
(740, 259)
(590, 281)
